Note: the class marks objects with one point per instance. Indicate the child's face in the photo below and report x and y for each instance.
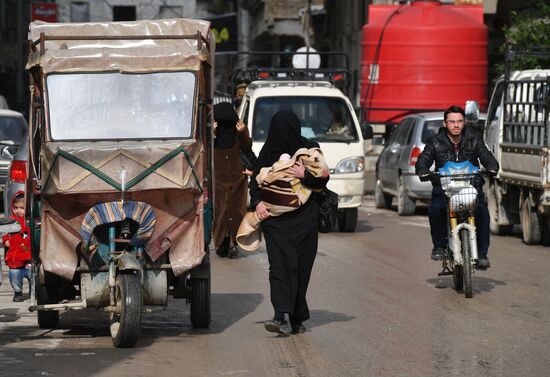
(19, 208)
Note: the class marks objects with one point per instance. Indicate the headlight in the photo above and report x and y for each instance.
(350, 165)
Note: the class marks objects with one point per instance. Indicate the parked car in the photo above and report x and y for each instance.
(395, 175)
(17, 174)
(13, 128)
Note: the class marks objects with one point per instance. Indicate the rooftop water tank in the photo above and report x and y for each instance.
(420, 57)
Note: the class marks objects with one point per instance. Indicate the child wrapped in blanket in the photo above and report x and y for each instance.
(281, 192)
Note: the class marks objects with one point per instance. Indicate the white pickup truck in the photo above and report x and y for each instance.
(517, 133)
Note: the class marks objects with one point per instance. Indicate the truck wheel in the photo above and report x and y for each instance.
(126, 321)
(381, 199)
(530, 223)
(493, 206)
(405, 205)
(200, 302)
(347, 221)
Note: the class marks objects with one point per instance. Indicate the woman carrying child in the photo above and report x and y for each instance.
(291, 238)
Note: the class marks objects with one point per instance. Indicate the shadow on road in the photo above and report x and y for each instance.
(8, 315)
(324, 317)
(481, 284)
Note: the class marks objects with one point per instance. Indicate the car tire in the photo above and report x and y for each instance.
(381, 199)
(347, 220)
(405, 205)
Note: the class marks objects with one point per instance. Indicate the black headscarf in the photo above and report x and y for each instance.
(226, 117)
(283, 137)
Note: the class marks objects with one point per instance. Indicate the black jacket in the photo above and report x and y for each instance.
(439, 149)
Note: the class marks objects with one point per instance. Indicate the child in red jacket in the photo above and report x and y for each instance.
(17, 250)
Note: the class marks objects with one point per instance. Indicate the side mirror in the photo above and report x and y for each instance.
(472, 112)
(367, 131)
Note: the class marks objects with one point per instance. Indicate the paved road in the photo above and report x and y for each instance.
(378, 309)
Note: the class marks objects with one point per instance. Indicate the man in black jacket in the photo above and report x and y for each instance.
(454, 143)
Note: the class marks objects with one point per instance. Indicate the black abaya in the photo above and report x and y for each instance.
(291, 238)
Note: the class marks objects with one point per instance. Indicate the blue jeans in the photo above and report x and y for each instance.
(438, 221)
(16, 277)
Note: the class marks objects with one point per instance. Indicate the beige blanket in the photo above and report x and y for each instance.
(280, 192)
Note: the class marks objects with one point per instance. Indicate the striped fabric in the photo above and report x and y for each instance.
(110, 212)
(280, 192)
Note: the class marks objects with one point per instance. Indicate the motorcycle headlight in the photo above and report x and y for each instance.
(350, 165)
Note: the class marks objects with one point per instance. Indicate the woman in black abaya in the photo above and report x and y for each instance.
(291, 239)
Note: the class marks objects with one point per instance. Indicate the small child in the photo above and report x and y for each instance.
(17, 250)
(280, 192)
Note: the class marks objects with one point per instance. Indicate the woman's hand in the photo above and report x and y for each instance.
(240, 126)
(215, 125)
(297, 170)
(261, 211)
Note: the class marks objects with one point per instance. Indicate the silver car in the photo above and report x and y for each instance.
(395, 175)
(16, 175)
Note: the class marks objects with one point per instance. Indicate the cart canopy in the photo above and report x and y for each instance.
(138, 46)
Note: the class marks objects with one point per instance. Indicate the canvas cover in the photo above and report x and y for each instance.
(120, 55)
(173, 189)
(76, 176)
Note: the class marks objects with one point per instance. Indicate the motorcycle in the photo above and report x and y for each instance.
(459, 181)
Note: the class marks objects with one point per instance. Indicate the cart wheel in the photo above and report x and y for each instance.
(200, 302)
(126, 322)
(48, 319)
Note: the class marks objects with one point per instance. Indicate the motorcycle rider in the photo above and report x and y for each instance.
(455, 143)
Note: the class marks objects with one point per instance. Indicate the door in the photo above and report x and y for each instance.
(493, 134)
(395, 150)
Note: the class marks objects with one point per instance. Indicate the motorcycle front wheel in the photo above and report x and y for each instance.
(466, 263)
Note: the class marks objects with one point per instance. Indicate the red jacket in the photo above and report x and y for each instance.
(19, 251)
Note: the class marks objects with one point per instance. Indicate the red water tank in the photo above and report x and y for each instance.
(423, 56)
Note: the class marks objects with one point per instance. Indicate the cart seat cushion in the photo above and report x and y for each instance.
(110, 212)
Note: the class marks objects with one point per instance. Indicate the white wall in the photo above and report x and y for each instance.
(101, 10)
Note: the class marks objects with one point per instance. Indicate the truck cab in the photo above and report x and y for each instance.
(328, 118)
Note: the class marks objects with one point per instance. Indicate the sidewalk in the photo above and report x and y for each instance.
(13, 312)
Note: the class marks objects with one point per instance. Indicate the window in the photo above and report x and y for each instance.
(431, 127)
(92, 106)
(124, 13)
(80, 11)
(323, 119)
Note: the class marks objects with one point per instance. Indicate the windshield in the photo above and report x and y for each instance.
(91, 106)
(12, 129)
(323, 119)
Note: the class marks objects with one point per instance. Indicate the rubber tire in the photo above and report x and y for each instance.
(405, 205)
(130, 295)
(47, 319)
(347, 221)
(381, 199)
(493, 206)
(530, 224)
(200, 302)
(466, 264)
(458, 278)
